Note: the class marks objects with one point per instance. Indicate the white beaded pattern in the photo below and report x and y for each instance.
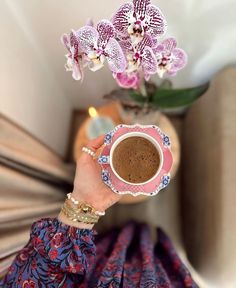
(88, 151)
(76, 202)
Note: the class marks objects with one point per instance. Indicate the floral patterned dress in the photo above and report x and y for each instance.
(58, 255)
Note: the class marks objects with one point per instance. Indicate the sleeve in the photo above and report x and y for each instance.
(57, 255)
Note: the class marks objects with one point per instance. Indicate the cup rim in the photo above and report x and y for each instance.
(138, 134)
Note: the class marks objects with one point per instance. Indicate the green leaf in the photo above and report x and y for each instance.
(172, 98)
(137, 97)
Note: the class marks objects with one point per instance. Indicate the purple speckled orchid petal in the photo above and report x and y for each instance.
(75, 46)
(155, 42)
(115, 56)
(77, 71)
(123, 38)
(75, 56)
(149, 61)
(159, 49)
(74, 65)
(128, 81)
(126, 46)
(73, 38)
(156, 21)
(65, 41)
(120, 19)
(140, 7)
(87, 37)
(106, 31)
(146, 41)
(180, 59)
(169, 44)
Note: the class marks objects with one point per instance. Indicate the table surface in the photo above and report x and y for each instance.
(112, 110)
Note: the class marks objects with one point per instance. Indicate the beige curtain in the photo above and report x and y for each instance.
(33, 183)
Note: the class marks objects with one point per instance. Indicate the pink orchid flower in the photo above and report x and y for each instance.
(75, 55)
(138, 18)
(128, 80)
(170, 59)
(99, 45)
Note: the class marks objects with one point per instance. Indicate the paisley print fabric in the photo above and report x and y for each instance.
(58, 255)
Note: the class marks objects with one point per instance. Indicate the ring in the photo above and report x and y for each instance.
(88, 151)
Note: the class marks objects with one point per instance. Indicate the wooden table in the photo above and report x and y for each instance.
(112, 110)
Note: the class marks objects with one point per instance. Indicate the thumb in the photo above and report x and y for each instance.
(96, 143)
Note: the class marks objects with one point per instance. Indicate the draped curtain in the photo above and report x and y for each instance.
(33, 183)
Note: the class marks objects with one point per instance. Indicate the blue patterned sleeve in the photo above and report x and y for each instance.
(57, 255)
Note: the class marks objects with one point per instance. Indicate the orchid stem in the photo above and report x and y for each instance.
(143, 90)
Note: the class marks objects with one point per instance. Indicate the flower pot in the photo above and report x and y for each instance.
(139, 115)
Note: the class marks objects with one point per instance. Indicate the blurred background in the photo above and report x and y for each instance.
(44, 123)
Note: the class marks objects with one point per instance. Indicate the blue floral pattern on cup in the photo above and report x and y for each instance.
(166, 140)
(108, 137)
(106, 177)
(103, 159)
(165, 180)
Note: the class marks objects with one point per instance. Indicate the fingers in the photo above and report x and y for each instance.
(93, 144)
(96, 143)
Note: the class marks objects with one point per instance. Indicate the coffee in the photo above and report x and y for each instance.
(136, 159)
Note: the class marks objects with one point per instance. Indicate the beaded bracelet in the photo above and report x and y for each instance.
(84, 207)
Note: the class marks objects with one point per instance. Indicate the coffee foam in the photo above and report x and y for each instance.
(136, 159)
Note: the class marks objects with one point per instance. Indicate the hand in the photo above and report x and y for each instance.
(88, 184)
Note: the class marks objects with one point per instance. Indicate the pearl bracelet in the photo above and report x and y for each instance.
(85, 206)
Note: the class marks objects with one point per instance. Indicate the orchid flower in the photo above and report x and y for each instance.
(138, 18)
(129, 44)
(128, 80)
(140, 59)
(170, 59)
(75, 55)
(99, 45)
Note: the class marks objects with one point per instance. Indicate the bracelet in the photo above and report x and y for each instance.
(75, 214)
(84, 207)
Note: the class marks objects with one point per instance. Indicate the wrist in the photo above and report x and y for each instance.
(98, 203)
(79, 214)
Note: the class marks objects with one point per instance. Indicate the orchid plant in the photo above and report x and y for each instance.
(130, 44)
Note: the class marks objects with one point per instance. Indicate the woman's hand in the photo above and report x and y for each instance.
(88, 184)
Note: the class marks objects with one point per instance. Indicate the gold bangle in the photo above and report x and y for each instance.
(75, 214)
(74, 211)
(80, 209)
